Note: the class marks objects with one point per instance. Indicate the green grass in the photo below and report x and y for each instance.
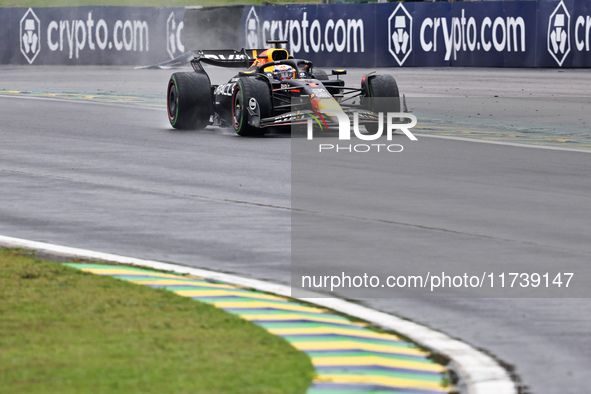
(148, 3)
(66, 331)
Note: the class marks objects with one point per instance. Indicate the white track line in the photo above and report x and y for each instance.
(479, 373)
(516, 144)
(83, 101)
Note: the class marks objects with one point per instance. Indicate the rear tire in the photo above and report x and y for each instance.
(245, 90)
(189, 102)
(380, 86)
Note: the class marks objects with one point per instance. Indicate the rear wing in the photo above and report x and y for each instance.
(226, 57)
(230, 57)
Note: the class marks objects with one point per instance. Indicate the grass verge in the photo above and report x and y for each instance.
(63, 330)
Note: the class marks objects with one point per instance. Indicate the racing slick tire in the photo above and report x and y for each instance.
(245, 90)
(380, 86)
(320, 75)
(189, 102)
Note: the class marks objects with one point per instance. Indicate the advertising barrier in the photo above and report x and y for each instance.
(486, 34)
(553, 33)
(91, 35)
(213, 27)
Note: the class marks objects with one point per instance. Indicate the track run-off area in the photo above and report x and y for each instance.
(88, 160)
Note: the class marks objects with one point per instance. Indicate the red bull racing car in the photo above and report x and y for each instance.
(274, 90)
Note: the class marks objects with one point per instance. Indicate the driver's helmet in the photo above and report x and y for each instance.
(283, 71)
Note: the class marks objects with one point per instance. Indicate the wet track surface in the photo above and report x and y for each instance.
(98, 167)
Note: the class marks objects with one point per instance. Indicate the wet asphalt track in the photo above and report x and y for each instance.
(115, 177)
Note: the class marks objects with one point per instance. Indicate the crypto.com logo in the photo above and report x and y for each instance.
(394, 121)
(30, 36)
(173, 35)
(400, 34)
(252, 30)
(559, 33)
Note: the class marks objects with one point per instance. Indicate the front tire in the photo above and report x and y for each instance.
(320, 75)
(189, 102)
(384, 88)
(245, 90)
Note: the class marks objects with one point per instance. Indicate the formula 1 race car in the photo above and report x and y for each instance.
(274, 90)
